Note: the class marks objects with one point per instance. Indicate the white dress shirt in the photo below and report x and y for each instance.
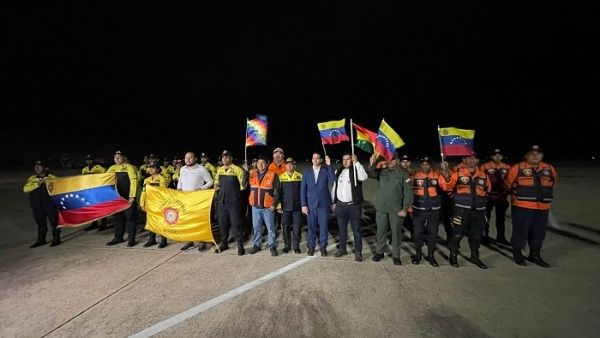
(194, 177)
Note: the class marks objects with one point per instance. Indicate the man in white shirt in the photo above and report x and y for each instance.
(194, 176)
(347, 198)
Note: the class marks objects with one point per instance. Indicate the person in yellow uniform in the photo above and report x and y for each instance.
(204, 161)
(144, 172)
(42, 206)
(92, 167)
(127, 178)
(167, 170)
(158, 180)
(230, 181)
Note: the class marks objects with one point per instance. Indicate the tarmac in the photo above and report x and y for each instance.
(84, 288)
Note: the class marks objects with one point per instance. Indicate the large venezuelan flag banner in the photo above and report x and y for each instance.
(86, 198)
(179, 215)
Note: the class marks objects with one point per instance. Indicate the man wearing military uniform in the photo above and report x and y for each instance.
(496, 171)
(394, 197)
(43, 208)
(206, 164)
(291, 209)
(127, 188)
(469, 187)
(230, 181)
(157, 180)
(531, 185)
(426, 210)
(92, 167)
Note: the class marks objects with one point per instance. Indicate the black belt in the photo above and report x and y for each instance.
(344, 204)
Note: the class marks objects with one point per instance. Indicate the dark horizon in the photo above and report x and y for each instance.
(516, 73)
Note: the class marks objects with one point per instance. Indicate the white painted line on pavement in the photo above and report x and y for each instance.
(167, 323)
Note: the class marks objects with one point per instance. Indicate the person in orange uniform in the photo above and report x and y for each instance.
(265, 191)
(531, 185)
(426, 207)
(278, 164)
(496, 171)
(469, 188)
(157, 180)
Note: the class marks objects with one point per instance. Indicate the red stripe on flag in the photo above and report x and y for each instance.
(77, 217)
(457, 150)
(335, 139)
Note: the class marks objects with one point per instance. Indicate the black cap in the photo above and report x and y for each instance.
(254, 160)
(496, 152)
(40, 163)
(225, 153)
(89, 157)
(152, 156)
(290, 160)
(166, 159)
(203, 155)
(404, 158)
(120, 152)
(425, 159)
(535, 147)
(156, 166)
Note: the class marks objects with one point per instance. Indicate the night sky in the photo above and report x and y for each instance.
(500, 68)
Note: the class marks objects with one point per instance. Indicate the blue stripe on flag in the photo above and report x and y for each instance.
(85, 198)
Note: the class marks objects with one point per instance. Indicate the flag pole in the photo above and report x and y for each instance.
(246, 146)
(352, 145)
(440, 142)
(325, 151)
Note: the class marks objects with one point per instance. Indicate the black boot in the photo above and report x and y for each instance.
(454, 259)
(377, 257)
(163, 242)
(535, 258)
(55, 241)
(201, 246)
(132, 242)
(417, 257)
(475, 259)
(241, 250)
(151, 240)
(430, 256)
(518, 256)
(115, 241)
(187, 246)
(38, 243)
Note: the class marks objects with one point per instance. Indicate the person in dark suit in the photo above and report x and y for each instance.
(316, 200)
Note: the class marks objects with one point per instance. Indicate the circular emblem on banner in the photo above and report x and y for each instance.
(419, 183)
(464, 179)
(171, 215)
(433, 182)
(527, 172)
(481, 181)
(546, 172)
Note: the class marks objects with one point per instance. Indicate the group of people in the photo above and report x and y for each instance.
(462, 198)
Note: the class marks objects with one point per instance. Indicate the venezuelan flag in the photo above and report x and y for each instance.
(179, 215)
(457, 142)
(86, 198)
(333, 132)
(365, 139)
(388, 141)
(256, 131)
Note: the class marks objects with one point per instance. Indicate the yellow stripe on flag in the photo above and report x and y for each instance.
(332, 124)
(464, 133)
(391, 134)
(179, 215)
(74, 183)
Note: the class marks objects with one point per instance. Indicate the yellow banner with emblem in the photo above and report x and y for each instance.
(179, 215)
